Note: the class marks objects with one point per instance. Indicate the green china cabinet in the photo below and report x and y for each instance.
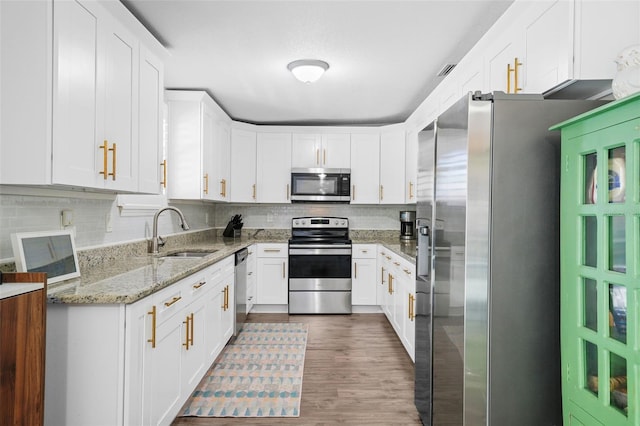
(600, 265)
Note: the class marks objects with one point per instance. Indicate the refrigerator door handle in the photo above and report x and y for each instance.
(423, 251)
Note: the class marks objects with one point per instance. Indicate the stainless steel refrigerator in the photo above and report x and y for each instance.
(487, 287)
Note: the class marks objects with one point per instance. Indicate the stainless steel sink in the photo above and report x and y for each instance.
(190, 254)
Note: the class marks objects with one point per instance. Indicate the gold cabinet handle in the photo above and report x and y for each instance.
(105, 148)
(515, 75)
(381, 192)
(172, 301)
(223, 187)
(113, 161)
(283, 272)
(186, 322)
(318, 156)
(390, 284)
(191, 329)
(353, 192)
(355, 270)
(164, 173)
(200, 284)
(152, 340)
(388, 257)
(271, 250)
(396, 263)
(365, 251)
(509, 71)
(254, 191)
(382, 276)
(410, 190)
(324, 156)
(412, 313)
(287, 191)
(225, 298)
(226, 303)
(206, 183)
(406, 271)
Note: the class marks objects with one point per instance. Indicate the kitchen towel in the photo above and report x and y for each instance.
(258, 375)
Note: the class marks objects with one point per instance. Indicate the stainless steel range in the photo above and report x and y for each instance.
(320, 266)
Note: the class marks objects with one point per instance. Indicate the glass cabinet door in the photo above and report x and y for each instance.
(600, 251)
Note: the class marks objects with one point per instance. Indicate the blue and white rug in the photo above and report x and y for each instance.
(259, 375)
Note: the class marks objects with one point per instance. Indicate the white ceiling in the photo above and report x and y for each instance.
(383, 55)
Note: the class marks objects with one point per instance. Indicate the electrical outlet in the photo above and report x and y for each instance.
(107, 223)
(66, 218)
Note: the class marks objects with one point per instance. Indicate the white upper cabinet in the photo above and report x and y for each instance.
(320, 150)
(365, 172)
(273, 170)
(152, 172)
(243, 166)
(81, 128)
(392, 167)
(411, 167)
(198, 147)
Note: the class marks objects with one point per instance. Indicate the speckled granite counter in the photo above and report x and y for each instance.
(125, 274)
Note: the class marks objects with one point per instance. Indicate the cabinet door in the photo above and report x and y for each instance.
(306, 150)
(273, 167)
(336, 151)
(229, 309)
(548, 54)
(118, 97)
(213, 318)
(364, 288)
(411, 171)
(209, 176)
(163, 390)
(392, 153)
(75, 102)
(408, 308)
(365, 169)
(272, 285)
(501, 62)
(151, 85)
(243, 166)
(194, 349)
(221, 160)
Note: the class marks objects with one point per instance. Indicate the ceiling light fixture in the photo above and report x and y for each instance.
(308, 70)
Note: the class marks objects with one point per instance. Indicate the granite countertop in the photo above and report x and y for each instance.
(127, 281)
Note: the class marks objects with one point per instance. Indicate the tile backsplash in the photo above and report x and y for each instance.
(373, 217)
(98, 222)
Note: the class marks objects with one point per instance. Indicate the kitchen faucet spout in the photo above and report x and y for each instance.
(157, 241)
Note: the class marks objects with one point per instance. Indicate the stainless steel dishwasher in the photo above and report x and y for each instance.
(241, 289)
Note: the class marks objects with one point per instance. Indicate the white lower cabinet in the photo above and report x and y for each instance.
(148, 356)
(363, 273)
(273, 274)
(395, 282)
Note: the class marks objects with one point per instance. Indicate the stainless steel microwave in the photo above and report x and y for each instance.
(321, 185)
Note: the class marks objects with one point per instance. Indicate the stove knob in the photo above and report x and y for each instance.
(296, 222)
(343, 223)
(304, 222)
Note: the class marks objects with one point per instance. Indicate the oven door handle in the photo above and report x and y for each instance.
(333, 251)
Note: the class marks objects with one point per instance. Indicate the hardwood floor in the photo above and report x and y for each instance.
(356, 372)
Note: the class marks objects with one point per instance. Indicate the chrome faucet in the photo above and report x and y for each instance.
(157, 241)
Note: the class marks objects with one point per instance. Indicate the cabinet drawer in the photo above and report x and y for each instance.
(272, 250)
(170, 301)
(364, 251)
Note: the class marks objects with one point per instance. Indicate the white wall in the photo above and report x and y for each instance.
(25, 210)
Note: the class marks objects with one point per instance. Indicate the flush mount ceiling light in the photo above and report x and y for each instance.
(308, 70)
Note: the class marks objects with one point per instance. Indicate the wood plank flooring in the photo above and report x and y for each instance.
(356, 372)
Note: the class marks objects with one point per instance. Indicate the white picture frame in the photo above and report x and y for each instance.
(53, 252)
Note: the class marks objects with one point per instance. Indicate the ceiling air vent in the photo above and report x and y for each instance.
(446, 70)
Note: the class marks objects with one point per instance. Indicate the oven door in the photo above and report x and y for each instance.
(319, 267)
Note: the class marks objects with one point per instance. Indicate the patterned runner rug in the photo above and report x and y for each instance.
(259, 375)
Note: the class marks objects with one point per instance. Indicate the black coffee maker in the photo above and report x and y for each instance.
(408, 225)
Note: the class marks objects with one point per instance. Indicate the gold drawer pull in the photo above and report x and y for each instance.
(172, 301)
(406, 271)
(271, 250)
(200, 284)
(206, 183)
(105, 148)
(396, 263)
(113, 162)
